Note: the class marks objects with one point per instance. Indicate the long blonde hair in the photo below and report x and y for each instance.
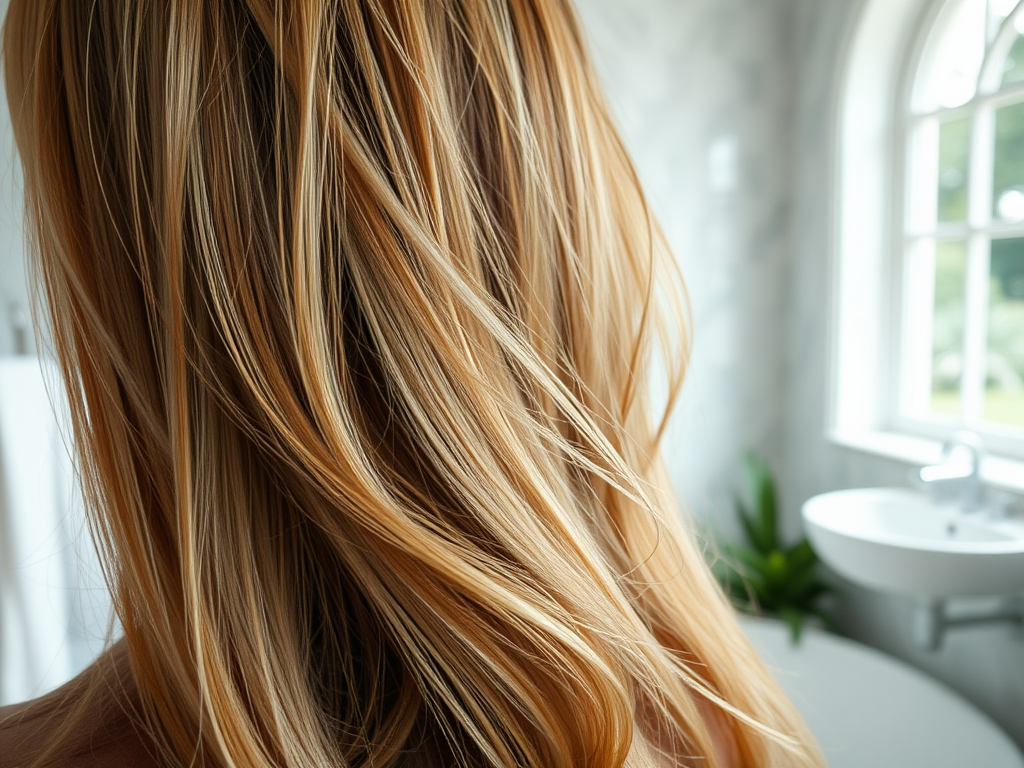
(355, 303)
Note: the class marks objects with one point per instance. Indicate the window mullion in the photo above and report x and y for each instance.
(972, 391)
(918, 307)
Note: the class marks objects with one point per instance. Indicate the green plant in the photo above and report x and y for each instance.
(762, 576)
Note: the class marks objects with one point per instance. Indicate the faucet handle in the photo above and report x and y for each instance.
(970, 442)
(962, 454)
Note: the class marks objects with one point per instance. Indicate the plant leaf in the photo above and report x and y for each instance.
(794, 619)
(750, 525)
(803, 589)
(801, 555)
(763, 576)
(747, 556)
(763, 530)
(767, 502)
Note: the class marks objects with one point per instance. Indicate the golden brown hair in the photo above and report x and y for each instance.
(355, 302)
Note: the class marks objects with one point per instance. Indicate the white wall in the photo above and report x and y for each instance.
(683, 75)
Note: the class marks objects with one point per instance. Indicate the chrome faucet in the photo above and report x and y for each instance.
(961, 465)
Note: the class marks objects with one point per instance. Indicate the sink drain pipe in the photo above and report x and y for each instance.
(931, 620)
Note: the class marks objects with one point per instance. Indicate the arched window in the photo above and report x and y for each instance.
(929, 231)
(964, 222)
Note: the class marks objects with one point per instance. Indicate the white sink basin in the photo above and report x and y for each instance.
(900, 541)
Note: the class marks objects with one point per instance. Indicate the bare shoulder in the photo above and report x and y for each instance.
(91, 722)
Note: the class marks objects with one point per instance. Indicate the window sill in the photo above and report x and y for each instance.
(997, 472)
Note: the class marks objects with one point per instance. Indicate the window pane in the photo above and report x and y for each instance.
(954, 151)
(1008, 170)
(1004, 385)
(948, 326)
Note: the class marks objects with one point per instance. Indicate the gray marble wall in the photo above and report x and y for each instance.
(727, 107)
(703, 93)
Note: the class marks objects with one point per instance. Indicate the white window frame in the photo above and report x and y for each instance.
(869, 267)
(977, 233)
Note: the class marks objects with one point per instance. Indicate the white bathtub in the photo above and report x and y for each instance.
(870, 711)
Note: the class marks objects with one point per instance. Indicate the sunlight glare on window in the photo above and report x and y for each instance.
(1004, 382)
(1010, 205)
(958, 56)
(948, 326)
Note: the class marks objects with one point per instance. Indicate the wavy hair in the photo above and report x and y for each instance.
(355, 303)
